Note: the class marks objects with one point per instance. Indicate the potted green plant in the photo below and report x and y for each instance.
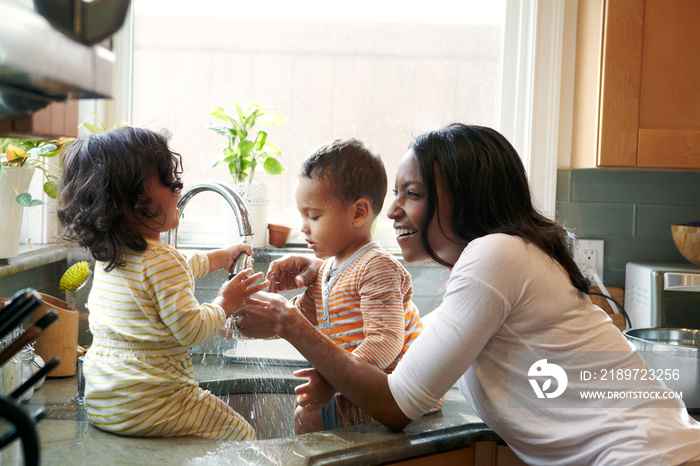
(248, 147)
(19, 159)
(30, 154)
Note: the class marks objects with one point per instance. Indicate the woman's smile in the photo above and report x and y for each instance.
(404, 234)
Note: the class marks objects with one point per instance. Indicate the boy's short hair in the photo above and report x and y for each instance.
(353, 170)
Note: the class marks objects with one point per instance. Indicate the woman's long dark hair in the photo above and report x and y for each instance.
(102, 181)
(485, 175)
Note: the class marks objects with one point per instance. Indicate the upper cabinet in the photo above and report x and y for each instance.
(648, 94)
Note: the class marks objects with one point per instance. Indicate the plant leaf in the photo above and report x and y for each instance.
(14, 153)
(221, 114)
(272, 150)
(25, 200)
(270, 118)
(273, 166)
(224, 131)
(241, 113)
(96, 128)
(51, 189)
(245, 148)
(260, 140)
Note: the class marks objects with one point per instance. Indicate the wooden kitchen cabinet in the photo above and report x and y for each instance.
(479, 454)
(57, 120)
(648, 112)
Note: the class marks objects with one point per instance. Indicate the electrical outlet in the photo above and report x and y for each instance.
(589, 256)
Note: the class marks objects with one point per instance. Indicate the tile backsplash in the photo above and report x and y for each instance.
(632, 210)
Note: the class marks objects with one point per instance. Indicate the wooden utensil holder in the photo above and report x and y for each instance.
(61, 338)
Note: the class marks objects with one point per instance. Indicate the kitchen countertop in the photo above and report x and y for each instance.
(67, 438)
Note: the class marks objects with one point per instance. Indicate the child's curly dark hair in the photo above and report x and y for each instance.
(103, 180)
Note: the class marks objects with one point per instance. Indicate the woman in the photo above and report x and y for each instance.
(514, 314)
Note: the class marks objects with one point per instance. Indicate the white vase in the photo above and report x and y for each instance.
(10, 211)
(256, 197)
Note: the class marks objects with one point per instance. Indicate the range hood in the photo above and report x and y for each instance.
(40, 65)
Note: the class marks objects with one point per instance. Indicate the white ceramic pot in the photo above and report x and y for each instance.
(10, 211)
(256, 197)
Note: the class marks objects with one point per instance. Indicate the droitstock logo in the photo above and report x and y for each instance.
(542, 369)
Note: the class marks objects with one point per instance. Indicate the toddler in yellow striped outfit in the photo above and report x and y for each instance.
(361, 297)
(119, 192)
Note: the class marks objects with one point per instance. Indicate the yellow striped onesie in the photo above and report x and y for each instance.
(139, 377)
(365, 306)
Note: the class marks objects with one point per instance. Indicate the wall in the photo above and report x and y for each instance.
(632, 210)
(382, 83)
(44, 278)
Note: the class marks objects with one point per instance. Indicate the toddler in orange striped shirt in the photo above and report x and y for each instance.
(361, 297)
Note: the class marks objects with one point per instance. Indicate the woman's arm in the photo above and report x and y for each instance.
(361, 382)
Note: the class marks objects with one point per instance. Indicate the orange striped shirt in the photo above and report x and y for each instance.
(365, 306)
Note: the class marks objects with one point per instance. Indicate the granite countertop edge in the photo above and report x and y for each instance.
(66, 436)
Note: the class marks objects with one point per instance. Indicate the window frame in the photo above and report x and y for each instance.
(532, 85)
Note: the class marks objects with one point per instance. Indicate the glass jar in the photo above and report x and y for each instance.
(12, 369)
(27, 358)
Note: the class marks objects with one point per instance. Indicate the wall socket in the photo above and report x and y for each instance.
(589, 256)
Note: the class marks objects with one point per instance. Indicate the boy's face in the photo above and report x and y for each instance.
(327, 222)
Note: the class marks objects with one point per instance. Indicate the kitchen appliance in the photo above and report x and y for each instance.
(663, 295)
(672, 351)
(43, 61)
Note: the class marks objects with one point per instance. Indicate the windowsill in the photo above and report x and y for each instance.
(29, 258)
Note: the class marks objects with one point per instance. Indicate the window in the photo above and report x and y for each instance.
(380, 75)
(537, 71)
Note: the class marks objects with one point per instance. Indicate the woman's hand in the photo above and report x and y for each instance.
(361, 382)
(266, 315)
(238, 292)
(314, 394)
(293, 271)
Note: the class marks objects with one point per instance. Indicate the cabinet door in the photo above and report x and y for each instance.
(650, 105)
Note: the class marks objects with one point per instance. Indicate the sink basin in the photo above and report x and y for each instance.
(267, 403)
(273, 352)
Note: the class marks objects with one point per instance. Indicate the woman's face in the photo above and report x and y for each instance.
(407, 211)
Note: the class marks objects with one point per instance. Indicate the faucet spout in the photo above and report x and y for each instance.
(245, 227)
(226, 339)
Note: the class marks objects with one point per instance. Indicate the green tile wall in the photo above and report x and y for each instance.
(42, 278)
(632, 210)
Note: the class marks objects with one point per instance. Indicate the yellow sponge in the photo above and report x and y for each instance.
(75, 277)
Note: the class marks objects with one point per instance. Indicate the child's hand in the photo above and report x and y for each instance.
(236, 293)
(225, 258)
(314, 394)
(235, 251)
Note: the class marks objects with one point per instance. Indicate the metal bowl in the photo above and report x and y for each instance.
(668, 336)
(672, 348)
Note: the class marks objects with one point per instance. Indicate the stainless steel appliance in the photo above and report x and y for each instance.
(663, 295)
(675, 351)
(47, 54)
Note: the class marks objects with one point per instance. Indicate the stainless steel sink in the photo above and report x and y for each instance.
(267, 403)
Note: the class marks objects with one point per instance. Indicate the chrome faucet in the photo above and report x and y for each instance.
(245, 227)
